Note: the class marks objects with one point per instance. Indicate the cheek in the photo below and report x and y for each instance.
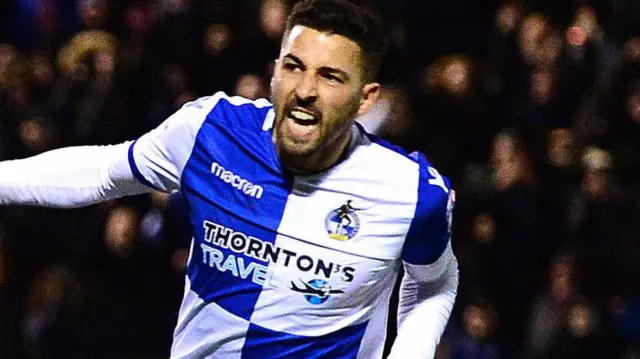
(275, 84)
(340, 102)
(278, 92)
(283, 86)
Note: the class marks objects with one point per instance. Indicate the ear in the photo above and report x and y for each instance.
(370, 93)
(275, 70)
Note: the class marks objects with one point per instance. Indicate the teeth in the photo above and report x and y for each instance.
(302, 116)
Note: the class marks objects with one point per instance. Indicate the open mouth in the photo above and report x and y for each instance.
(303, 117)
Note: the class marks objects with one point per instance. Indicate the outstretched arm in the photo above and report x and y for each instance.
(69, 177)
(80, 176)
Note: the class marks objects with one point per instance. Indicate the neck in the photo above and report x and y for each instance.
(319, 161)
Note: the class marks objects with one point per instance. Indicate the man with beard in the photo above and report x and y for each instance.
(264, 182)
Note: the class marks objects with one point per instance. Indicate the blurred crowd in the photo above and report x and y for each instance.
(531, 108)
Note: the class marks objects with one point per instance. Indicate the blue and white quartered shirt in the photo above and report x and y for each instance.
(281, 266)
(285, 266)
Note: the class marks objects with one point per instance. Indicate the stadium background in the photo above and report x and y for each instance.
(532, 108)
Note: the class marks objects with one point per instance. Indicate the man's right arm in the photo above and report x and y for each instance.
(69, 177)
(80, 176)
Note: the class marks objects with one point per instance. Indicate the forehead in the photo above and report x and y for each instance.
(317, 49)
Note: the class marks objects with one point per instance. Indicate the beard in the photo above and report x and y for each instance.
(313, 148)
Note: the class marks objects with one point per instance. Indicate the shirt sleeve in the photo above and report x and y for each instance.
(81, 176)
(424, 310)
(68, 177)
(429, 285)
(425, 249)
(157, 159)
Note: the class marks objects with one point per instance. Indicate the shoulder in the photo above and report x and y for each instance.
(432, 185)
(435, 192)
(221, 100)
(428, 193)
(430, 229)
(428, 188)
(231, 110)
(221, 109)
(387, 162)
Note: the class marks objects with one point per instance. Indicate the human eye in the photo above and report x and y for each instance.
(333, 79)
(292, 66)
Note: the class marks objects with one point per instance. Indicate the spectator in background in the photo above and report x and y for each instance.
(551, 308)
(476, 339)
(450, 92)
(519, 246)
(582, 336)
(597, 214)
(532, 108)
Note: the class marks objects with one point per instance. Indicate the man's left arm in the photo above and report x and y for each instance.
(429, 286)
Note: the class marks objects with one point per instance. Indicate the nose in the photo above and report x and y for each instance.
(306, 90)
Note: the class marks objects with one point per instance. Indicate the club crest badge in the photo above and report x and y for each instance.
(343, 223)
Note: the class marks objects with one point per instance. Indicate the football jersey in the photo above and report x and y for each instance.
(284, 265)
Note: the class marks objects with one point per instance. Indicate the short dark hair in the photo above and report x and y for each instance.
(358, 23)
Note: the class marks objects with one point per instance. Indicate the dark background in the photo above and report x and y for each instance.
(531, 108)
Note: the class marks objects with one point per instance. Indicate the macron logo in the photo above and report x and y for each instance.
(236, 181)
